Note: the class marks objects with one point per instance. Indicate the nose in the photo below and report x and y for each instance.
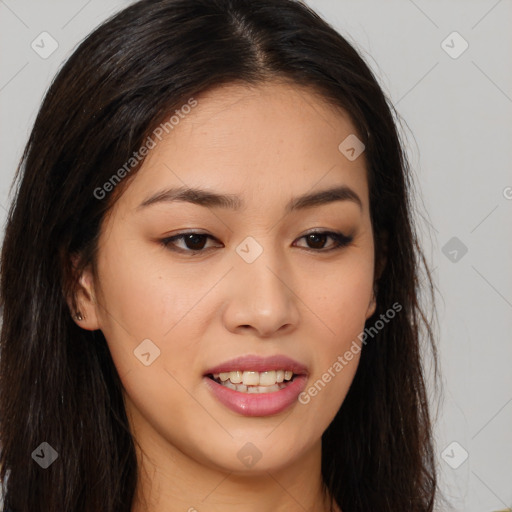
(262, 300)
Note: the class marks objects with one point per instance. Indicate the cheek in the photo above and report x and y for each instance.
(325, 393)
(144, 298)
(141, 291)
(340, 307)
(336, 359)
(340, 295)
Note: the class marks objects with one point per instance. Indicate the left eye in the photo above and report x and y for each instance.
(195, 242)
(318, 238)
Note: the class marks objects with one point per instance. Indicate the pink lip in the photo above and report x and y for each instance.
(259, 364)
(261, 404)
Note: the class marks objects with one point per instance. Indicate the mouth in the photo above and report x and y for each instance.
(254, 381)
(257, 386)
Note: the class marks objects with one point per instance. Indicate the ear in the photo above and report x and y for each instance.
(381, 254)
(84, 307)
(372, 306)
(380, 264)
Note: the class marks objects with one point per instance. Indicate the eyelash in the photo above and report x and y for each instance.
(340, 240)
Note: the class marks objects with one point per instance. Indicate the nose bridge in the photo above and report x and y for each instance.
(262, 295)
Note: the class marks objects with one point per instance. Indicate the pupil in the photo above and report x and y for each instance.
(314, 237)
(195, 240)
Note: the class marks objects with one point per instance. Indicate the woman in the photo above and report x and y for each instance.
(210, 276)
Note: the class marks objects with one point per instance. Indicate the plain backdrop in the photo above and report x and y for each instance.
(446, 68)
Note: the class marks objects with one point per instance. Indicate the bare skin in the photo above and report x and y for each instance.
(265, 145)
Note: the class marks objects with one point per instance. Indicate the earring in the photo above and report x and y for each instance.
(78, 316)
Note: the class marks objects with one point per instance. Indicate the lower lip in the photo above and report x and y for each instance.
(258, 404)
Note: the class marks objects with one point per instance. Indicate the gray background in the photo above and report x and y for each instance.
(456, 111)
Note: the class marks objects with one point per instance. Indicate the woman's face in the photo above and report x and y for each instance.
(254, 295)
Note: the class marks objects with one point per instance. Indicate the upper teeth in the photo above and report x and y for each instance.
(249, 378)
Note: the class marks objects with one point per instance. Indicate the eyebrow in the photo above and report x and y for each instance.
(212, 199)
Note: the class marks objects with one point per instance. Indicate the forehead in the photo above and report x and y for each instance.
(249, 140)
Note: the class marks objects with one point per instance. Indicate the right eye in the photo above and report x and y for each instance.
(194, 242)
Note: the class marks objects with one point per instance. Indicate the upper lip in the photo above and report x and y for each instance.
(259, 364)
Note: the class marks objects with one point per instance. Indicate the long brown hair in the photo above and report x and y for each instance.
(58, 383)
